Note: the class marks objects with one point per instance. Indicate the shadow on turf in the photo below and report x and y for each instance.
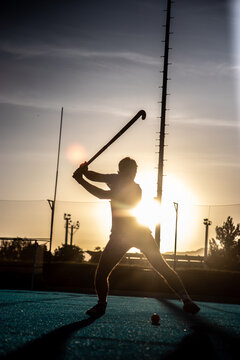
(207, 340)
(49, 346)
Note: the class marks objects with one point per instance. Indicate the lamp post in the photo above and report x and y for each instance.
(75, 226)
(175, 243)
(52, 203)
(207, 223)
(163, 103)
(67, 218)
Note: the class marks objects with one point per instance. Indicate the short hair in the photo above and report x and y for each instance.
(127, 164)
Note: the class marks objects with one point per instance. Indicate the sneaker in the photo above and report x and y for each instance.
(190, 307)
(97, 310)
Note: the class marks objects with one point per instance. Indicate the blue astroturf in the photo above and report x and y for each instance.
(54, 325)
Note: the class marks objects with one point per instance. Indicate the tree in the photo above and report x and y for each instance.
(95, 255)
(69, 253)
(27, 251)
(18, 249)
(12, 249)
(225, 249)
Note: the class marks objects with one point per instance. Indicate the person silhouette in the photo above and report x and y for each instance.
(124, 194)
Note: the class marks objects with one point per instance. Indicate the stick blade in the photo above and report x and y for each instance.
(143, 114)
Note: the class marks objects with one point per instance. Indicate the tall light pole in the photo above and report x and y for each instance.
(52, 203)
(175, 242)
(67, 218)
(207, 223)
(163, 116)
(75, 226)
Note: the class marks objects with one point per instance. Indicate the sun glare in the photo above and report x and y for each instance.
(149, 212)
(76, 154)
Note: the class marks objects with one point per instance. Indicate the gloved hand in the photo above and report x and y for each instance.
(80, 171)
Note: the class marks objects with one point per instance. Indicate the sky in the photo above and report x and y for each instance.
(101, 61)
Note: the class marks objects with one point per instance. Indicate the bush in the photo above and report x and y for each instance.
(69, 253)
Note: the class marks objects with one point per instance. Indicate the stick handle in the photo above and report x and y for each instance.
(141, 113)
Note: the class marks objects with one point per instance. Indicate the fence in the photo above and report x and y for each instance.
(31, 219)
(140, 259)
(36, 258)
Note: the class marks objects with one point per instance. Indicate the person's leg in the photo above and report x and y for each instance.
(111, 256)
(151, 251)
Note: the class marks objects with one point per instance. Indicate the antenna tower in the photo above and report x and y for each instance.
(163, 113)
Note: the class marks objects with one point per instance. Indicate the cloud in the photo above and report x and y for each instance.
(204, 68)
(74, 53)
(204, 122)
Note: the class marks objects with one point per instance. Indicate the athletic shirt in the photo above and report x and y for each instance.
(125, 196)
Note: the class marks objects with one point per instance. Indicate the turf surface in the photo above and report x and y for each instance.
(53, 325)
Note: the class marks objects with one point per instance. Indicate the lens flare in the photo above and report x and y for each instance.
(149, 212)
(76, 154)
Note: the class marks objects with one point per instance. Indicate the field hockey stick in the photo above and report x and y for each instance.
(141, 113)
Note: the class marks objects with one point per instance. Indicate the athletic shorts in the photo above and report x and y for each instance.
(139, 237)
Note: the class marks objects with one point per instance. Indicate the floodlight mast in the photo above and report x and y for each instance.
(163, 116)
(52, 203)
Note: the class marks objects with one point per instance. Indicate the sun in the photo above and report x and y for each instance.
(150, 212)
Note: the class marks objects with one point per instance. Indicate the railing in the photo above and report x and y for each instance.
(185, 258)
(135, 258)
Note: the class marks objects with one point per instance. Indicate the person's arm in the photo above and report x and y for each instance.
(95, 176)
(94, 190)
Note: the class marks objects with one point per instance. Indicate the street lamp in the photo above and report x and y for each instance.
(67, 218)
(175, 243)
(76, 227)
(207, 223)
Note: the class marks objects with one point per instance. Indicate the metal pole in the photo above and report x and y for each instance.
(76, 227)
(34, 264)
(71, 235)
(163, 117)
(175, 243)
(67, 218)
(66, 232)
(207, 223)
(56, 182)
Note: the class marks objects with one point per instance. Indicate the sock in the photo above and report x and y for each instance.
(102, 302)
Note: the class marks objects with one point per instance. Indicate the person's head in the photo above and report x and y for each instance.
(128, 168)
